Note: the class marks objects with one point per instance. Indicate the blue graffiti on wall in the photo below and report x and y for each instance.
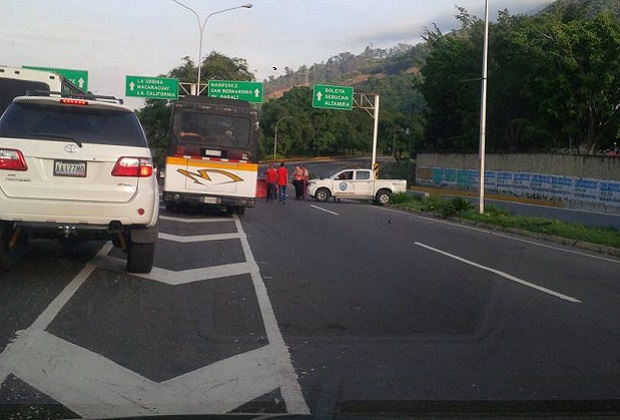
(603, 193)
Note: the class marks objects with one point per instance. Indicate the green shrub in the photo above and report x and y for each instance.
(402, 198)
(492, 210)
(433, 204)
(458, 205)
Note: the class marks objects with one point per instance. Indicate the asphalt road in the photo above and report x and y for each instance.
(378, 305)
(310, 307)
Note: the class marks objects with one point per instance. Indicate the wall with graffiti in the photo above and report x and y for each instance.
(569, 191)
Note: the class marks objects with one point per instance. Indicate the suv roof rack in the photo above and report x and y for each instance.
(104, 98)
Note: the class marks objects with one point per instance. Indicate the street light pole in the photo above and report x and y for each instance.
(275, 139)
(201, 28)
(483, 111)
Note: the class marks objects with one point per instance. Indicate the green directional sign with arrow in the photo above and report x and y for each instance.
(332, 97)
(77, 77)
(152, 87)
(234, 89)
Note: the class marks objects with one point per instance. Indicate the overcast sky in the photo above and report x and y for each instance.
(114, 38)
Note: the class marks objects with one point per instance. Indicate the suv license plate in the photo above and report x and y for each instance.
(70, 168)
(210, 200)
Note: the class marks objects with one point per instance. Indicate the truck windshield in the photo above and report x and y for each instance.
(222, 130)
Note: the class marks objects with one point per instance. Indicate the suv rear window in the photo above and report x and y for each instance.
(85, 124)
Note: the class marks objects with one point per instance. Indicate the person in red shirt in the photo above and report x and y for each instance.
(272, 177)
(282, 183)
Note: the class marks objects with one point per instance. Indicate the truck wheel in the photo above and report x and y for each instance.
(140, 257)
(322, 194)
(382, 197)
(240, 210)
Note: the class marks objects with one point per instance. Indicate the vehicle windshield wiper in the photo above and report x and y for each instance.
(57, 136)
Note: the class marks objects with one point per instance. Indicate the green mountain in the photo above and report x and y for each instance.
(349, 69)
(588, 9)
(544, 68)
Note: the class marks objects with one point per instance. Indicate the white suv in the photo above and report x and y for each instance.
(77, 168)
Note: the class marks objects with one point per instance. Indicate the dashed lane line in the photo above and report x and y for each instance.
(325, 210)
(501, 235)
(501, 273)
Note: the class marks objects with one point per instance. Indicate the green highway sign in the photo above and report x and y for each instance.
(234, 89)
(152, 87)
(77, 77)
(332, 97)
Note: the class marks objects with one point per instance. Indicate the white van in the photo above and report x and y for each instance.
(16, 81)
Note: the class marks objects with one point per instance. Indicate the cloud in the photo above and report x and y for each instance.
(410, 32)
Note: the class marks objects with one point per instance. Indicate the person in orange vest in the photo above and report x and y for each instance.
(272, 177)
(298, 182)
(306, 178)
(282, 183)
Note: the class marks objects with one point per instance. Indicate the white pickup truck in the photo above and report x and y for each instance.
(355, 184)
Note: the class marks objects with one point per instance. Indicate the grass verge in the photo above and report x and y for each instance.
(458, 207)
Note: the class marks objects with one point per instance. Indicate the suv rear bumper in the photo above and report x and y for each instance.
(26, 211)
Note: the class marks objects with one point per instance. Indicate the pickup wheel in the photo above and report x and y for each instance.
(322, 194)
(140, 257)
(382, 197)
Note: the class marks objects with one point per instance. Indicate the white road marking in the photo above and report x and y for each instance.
(254, 373)
(325, 210)
(198, 238)
(502, 274)
(28, 338)
(176, 278)
(184, 220)
(290, 389)
(502, 235)
(94, 386)
(557, 248)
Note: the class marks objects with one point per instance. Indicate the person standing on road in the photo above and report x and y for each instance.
(306, 177)
(282, 183)
(272, 177)
(298, 181)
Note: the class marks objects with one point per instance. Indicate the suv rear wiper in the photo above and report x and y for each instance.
(57, 136)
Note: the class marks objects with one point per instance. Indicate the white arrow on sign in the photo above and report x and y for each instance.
(80, 83)
(131, 86)
(256, 92)
(319, 95)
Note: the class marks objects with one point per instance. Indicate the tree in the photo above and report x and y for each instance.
(155, 115)
(451, 88)
(579, 84)
(554, 81)
(155, 118)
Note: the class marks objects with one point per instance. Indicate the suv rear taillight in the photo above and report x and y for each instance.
(12, 160)
(133, 166)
